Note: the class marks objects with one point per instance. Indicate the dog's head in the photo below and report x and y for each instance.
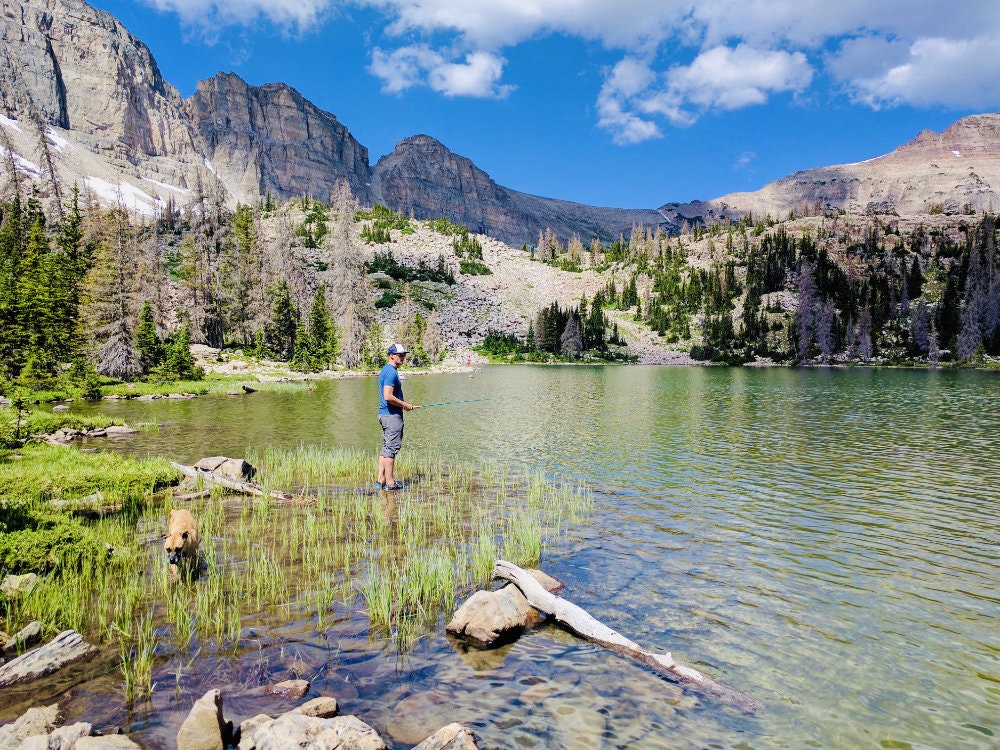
(176, 545)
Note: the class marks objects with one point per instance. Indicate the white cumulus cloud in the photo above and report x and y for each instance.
(477, 75)
(930, 71)
(677, 59)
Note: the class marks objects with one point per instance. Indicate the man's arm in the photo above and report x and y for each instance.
(390, 398)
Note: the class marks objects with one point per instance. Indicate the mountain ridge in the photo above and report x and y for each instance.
(89, 105)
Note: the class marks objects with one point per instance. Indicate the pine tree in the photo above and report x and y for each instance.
(805, 318)
(147, 343)
(280, 334)
(919, 327)
(571, 341)
(108, 296)
(433, 344)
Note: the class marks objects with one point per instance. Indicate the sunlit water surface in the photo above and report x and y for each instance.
(824, 540)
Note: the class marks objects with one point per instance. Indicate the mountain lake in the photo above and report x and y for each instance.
(825, 540)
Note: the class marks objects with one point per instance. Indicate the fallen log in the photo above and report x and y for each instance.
(586, 626)
(246, 488)
(65, 648)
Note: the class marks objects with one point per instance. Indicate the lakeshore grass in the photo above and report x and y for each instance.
(399, 558)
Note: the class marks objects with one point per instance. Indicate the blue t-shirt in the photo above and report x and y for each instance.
(389, 376)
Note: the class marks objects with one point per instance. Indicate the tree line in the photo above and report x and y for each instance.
(90, 292)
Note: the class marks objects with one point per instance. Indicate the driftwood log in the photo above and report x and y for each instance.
(246, 488)
(586, 626)
(65, 648)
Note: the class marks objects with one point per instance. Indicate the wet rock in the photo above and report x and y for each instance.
(231, 468)
(323, 707)
(65, 648)
(60, 407)
(14, 587)
(451, 737)
(27, 636)
(289, 688)
(293, 730)
(487, 617)
(34, 722)
(120, 429)
(205, 728)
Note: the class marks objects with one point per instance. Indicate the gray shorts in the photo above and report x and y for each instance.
(392, 434)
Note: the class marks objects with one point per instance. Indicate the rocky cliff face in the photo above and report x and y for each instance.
(423, 176)
(70, 66)
(270, 139)
(953, 171)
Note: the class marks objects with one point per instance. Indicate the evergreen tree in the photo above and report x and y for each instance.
(919, 327)
(281, 332)
(147, 343)
(805, 318)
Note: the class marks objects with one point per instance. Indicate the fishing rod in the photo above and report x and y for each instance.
(462, 401)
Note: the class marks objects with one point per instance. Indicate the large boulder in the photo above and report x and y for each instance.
(293, 730)
(205, 728)
(231, 468)
(491, 617)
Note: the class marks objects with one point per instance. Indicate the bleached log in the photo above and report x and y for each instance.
(586, 626)
(65, 648)
(246, 488)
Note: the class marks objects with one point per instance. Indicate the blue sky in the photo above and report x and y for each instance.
(624, 103)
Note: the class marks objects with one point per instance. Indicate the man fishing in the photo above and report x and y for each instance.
(390, 415)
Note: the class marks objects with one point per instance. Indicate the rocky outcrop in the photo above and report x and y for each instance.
(955, 171)
(77, 68)
(270, 139)
(424, 177)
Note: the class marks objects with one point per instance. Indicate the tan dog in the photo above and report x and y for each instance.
(181, 543)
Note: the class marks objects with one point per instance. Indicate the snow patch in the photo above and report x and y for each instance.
(958, 154)
(123, 194)
(211, 167)
(164, 185)
(57, 140)
(12, 124)
(28, 167)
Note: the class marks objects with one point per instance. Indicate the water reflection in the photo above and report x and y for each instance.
(824, 540)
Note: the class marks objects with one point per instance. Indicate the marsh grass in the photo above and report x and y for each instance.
(401, 558)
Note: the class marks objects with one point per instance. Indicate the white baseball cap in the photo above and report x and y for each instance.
(398, 348)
